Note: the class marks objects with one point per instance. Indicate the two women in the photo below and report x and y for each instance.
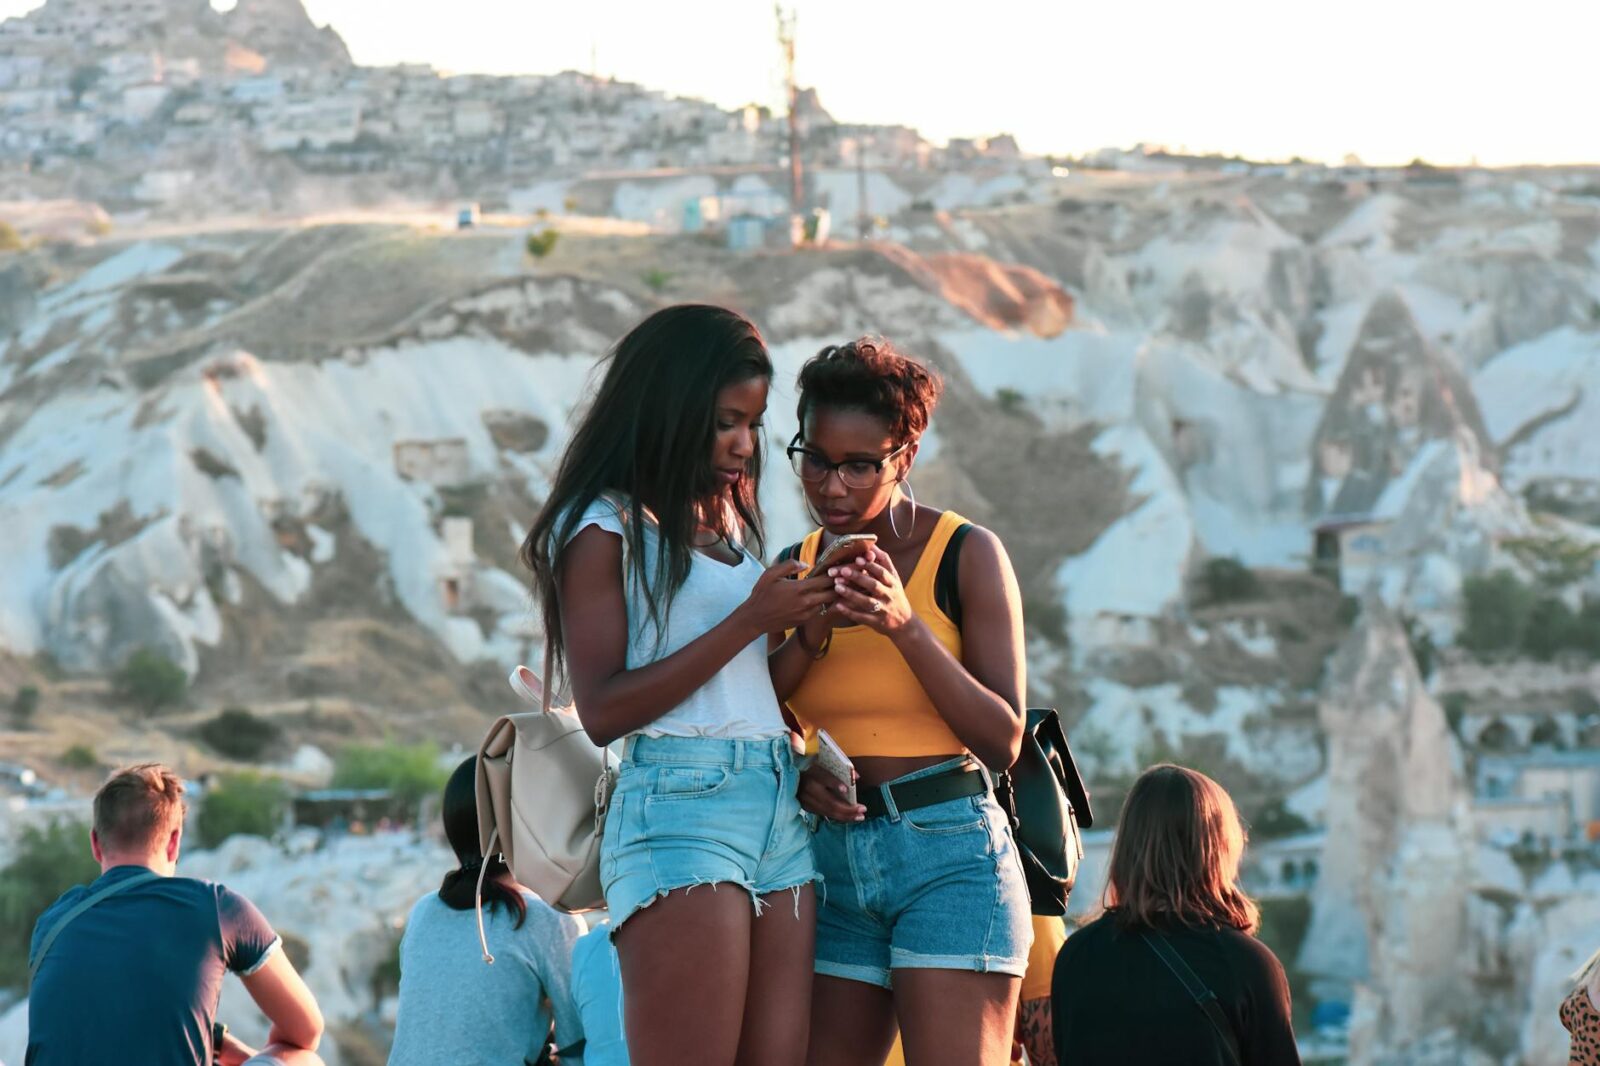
(645, 558)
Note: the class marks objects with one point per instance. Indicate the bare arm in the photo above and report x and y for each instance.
(980, 694)
(790, 658)
(612, 700)
(286, 1001)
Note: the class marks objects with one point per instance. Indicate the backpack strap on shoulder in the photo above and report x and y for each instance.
(947, 580)
(115, 888)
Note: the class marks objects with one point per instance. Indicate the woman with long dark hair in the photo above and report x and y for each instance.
(455, 1009)
(917, 673)
(1175, 919)
(645, 557)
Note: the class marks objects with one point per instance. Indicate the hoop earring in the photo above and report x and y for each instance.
(913, 496)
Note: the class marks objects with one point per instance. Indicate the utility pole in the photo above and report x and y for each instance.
(786, 20)
(863, 215)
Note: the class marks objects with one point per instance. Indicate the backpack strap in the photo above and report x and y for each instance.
(1198, 991)
(84, 904)
(791, 552)
(947, 580)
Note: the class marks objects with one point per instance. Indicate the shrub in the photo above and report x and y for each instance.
(542, 243)
(1228, 580)
(10, 239)
(247, 802)
(80, 757)
(23, 705)
(48, 862)
(1276, 820)
(1010, 400)
(1497, 609)
(151, 681)
(410, 772)
(238, 734)
(656, 279)
(1552, 628)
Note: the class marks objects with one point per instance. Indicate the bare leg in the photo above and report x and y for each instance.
(685, 963)
(956, 1017)
(852, 1023)
(777, 1006)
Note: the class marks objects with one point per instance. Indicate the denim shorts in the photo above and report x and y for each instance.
(937, 888)
(699, 811)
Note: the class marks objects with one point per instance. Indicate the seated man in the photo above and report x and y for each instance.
(128, 969)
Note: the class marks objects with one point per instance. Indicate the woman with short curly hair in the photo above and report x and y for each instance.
(917, 673)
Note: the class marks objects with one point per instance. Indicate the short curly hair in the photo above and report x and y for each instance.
(870, 375)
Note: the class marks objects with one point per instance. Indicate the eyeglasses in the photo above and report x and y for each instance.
(855, 473)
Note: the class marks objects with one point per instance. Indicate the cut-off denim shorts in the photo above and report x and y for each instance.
(938, 888)
(699, 811)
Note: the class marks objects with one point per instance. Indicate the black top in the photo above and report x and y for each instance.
(1115, 1003)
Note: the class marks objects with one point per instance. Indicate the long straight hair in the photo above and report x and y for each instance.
(647, 436)
(460, 886)
(1175, 859)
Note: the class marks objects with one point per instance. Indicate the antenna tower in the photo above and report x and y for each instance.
(786, 20)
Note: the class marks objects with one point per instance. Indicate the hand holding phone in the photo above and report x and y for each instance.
(842, 549)
(831, 757)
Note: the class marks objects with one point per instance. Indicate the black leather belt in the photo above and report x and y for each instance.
(955, 783)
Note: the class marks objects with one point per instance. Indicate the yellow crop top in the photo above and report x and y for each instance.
(863, 692)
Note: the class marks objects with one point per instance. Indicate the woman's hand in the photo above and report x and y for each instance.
(778, 603)
(823, 794)
(870, 593)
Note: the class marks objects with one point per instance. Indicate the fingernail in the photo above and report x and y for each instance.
(833, 571)
(861, 817)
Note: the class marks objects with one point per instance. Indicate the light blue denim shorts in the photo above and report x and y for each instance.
(938, 888)
(698, 811)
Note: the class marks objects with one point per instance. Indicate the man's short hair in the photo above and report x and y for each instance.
(138, 806)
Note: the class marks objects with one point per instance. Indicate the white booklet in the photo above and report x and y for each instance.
(832, 758)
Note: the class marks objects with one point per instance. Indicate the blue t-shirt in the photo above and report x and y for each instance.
(597, 988)
(136, 977)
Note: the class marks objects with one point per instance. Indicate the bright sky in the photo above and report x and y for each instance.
(1389, 80)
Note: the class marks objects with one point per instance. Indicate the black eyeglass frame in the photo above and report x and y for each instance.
(833, 468)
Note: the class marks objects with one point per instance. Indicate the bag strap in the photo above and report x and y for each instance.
(947, 579)
(95, 897)
(1198, 991)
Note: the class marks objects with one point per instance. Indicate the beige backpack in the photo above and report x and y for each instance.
(543, 788)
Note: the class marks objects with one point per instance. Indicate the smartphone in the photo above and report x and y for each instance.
(842, 549)
(832, 758)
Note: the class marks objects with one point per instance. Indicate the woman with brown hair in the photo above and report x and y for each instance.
(1170, 973)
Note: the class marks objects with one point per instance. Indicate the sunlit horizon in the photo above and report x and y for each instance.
(1387, 82)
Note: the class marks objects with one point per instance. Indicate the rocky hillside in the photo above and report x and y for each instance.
(298, 461)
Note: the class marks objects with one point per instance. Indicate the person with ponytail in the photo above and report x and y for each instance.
(917, 674)
(1580, 1014)
(454, 1008)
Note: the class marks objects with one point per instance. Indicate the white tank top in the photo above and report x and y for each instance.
(738, 702)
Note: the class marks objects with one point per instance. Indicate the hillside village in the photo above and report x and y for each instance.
(1296, 464)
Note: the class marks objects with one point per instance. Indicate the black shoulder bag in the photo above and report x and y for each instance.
(1043, 794)
(1198, 991)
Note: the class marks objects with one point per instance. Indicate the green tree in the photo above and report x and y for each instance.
(246, 802)
(238, 734)
(1228, 580)
(411, 772)
(1552, 628)
(48, 861)
(151, 681)
(656, 279)
(1497, 609)
(1556, 562)
(542, 243)
(80, 757)
(23, 706)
